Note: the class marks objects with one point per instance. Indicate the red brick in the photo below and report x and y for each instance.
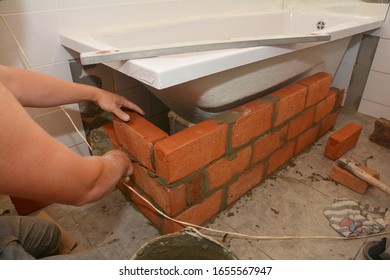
(347, 179)
(245, 182)
(170, 200)
(318, 87)
(256, 118)
(342, 140)
(194, 189)
(325, 107)
(137, 137)
(224, 169)
(143, 206)
(269, 143)
(370, 171)
(109, 129)
(340, 92)
(280, 157)
(301, 123)
(190, 149)
(328, 123)
(291, 101)
(197, 214)
(306, 139)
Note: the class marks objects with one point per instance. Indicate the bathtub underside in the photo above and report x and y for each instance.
(206, 97)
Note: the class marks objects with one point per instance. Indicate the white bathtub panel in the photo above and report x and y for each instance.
(374, 109)
(38, 34)
(377, 88)
(24, 6)
(381, 61)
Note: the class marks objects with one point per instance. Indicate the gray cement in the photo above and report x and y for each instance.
(289, 203)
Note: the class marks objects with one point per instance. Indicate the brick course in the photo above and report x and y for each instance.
(197, 172)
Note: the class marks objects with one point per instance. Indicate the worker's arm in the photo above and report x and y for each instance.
(37, 90)
(36, 166)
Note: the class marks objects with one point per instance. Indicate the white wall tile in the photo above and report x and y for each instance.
(38, 34)
(24, 6)
(382, 58)
(81, 149)
(377, 88)
(59, 126)
(374, 109)
(385, 30)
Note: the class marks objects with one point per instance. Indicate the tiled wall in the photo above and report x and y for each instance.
(376, 97)
(197, 172)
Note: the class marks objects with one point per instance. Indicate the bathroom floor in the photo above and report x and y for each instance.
(289, 203)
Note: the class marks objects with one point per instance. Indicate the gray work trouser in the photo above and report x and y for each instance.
(27, 238)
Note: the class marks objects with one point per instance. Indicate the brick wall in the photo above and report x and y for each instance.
(195, 173)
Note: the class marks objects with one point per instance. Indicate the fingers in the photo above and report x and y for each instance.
(121, 114)
(132, 106)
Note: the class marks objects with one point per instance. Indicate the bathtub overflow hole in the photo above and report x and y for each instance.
(321, 25)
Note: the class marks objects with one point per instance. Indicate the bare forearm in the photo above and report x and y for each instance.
(37, 90)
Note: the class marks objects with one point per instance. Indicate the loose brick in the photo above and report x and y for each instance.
(280, 157)
(256, 118)
(137, 137)
(190, 149)
(306, 139)
(325, 107)
(301, 123)
(223, 170)
(342, 140)
(245, 182)
(291, 101)
(347, 179)
(269, 143)
(381, 133)
(197, 214)
(170, 200)
(328, 123)
(318, 87)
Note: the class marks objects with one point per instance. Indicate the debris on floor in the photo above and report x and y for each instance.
(381, 133)
(351, 219)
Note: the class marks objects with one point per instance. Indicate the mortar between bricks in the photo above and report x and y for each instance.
(199, 171)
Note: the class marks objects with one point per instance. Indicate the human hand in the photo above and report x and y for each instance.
(115, 104)
(121, 160)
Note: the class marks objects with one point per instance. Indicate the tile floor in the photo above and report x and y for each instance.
(289, 203)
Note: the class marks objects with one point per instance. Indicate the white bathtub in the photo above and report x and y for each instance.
(199, 85)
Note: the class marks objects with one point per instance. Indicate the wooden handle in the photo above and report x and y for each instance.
(354, 169)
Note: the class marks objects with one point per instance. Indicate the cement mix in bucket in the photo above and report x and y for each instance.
(188, 244)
